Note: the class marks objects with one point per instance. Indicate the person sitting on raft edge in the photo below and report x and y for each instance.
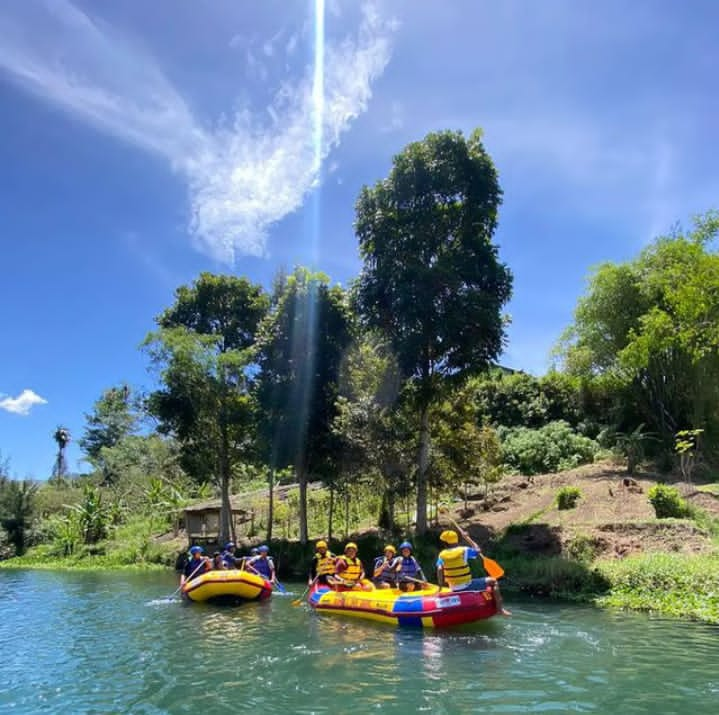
(196, 564)
(453, 568)
(323, 564)
(349, 571)
(263, 564)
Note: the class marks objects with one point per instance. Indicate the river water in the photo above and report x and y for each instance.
(76, 643)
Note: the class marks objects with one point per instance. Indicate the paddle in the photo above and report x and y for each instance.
(299, 600)
(423, 583)
(189, 578)
(280, 587)
(490, 565)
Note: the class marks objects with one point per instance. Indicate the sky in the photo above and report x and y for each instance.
(142, 143)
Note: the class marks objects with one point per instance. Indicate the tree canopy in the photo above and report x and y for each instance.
(652, 324)
(431, 279)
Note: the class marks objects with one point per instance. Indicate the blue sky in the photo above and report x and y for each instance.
(145, 142)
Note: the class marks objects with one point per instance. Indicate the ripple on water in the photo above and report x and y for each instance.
(107, 643)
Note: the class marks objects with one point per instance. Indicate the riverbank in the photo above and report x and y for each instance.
(609, 551)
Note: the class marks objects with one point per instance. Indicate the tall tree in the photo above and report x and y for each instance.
(204, 351)
(371, 422)
(114, 417)
(300, 352)
(431, 279)
(651, 325)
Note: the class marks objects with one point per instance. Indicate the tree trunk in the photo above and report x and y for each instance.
(271, 502)
(331, 514)
(225, 508)
(423, 463)
(302, 479)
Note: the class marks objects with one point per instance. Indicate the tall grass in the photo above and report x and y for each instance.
(673, 584)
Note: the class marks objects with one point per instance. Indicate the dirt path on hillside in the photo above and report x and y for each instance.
(613, 517)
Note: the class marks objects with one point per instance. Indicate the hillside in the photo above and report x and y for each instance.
(613, 518)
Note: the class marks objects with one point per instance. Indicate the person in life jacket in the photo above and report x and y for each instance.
(196, 564)
(407, 568)
(453, 568)
(323, 564)
(383, 573)
(228, 556)
(218, 562)
(349, 571)
(262, 564)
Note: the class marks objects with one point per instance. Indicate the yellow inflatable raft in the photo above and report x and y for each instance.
(227, 585)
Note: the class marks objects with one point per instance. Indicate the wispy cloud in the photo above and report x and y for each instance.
(243, 175)
(23, 403)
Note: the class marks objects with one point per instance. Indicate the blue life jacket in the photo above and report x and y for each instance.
(264, 567)
(194, 567)
(387, 575)
(229, 558)
(409, 567)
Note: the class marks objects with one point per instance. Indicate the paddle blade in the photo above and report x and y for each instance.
(492, 567)
(297, 602)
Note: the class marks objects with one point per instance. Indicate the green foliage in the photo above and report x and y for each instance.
(567, 497)
(17, 507)
(93, 515)
(631, 446)
(554, 576)
(204, 352)
(652, 324)
(114, 417)
(667, 502)
(299, 352)
(686, 446)
(673, 584)
(465, 452)
(548, 449)
(582, 548)
(522, 400)
(431, 281)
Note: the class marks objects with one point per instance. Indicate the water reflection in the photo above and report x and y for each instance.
(107, 643)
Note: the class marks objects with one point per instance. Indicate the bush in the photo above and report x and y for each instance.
(567, 497)
(667, 503)
(551, 448)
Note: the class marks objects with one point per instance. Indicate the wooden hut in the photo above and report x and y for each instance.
(202, 521)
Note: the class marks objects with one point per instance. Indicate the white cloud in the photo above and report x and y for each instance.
(243, 176)
(23, 403)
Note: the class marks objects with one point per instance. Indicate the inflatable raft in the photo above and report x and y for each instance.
(227, 585)
(432, 607)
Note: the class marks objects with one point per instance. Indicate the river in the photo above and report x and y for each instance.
(77, 642)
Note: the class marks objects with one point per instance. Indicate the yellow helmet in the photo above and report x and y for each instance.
(321, 544)
(449, 537)
(391, 548)
(351, 545)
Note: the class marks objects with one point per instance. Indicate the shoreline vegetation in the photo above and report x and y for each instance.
(358, 410)
(680, 581)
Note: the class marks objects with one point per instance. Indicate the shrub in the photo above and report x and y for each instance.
(567, 497)
(667, 503)
(554, 447)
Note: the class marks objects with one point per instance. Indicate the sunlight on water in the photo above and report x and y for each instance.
(114, 642)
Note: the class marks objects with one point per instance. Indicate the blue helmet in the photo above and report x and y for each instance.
(197, 550)
(405, 545)
(263, 549)
(254, 552)
(229, 545)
